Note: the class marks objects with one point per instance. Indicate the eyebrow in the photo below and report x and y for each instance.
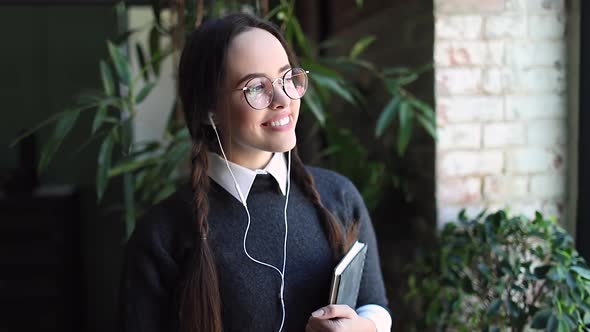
(252, 75)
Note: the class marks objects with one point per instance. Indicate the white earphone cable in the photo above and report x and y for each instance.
(243, 201)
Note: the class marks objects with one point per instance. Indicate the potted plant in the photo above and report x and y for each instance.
(498, 272)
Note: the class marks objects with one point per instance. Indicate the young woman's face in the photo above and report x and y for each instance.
(254, 134)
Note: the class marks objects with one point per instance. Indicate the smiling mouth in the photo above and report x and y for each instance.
(281, 122)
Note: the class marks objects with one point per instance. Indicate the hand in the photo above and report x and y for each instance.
(338, 318)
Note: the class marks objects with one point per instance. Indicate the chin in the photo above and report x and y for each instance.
(285, 147)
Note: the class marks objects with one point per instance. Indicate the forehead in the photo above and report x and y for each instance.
(255, 51)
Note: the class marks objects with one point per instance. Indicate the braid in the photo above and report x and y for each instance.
(339, 242)
(200, 301)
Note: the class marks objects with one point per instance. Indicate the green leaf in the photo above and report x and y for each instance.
(99, 118)
(144, 92)
(104, 165)
(359, 3)
(428, 125)
(312, 101)
(132, 164)
(405, 128)
(540, 319)
(121, 63)
(107, 79)
(142, 60)
(335, 86)
(360, 46)
(63, 126)
(387, 115)
(552, 323)
(493, 308)
(582, 272)
(155, 49)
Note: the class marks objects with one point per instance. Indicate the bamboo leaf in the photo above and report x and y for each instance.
(142, 60)
(360, 46)
(405, 128)
(387, 115)
(132, 164)
(335, 86)
(144, 92)
(312, 101)
(63, 126)
(121, 63)
(154, 50)
(104, 165)
(428, 125)
(99, 118)
(107, 79)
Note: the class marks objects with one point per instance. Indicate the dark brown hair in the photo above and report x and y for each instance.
(202, 72)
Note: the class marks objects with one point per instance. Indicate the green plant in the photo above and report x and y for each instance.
(501, 273)
(150, 170)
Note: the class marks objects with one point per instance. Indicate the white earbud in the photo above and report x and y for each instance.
(209, 120)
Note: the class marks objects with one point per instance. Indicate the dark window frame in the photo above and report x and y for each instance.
(583, 204)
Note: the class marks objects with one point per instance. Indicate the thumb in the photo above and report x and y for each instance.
(334, 311)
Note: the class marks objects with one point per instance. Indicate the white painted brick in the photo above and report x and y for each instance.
(534, 160)
(546, 26)
(544, 106)
(523, 207)
(504, 134)
(534, 6)
(460, 53)
(548, 185)
(469, 109)
(502, 188)
(535, 80)
(459, 136)
(536, 53)
(545, 5)
(495, 80)
(547, 132)
(468, 6)
(458, 27)
(459, 190)
(449, 212)
(457, 81)
(465, 163)
(505, 26)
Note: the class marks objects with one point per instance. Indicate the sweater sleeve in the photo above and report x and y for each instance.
(148, 278)
(372, 290)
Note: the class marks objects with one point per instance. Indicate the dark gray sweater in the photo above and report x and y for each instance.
(160, 244)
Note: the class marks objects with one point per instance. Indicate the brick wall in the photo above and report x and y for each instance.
(501, 106)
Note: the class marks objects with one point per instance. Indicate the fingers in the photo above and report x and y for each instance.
(334, 311)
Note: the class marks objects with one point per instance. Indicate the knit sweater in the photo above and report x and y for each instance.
(162, 241)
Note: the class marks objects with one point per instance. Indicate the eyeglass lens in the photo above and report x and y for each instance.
(259, 90)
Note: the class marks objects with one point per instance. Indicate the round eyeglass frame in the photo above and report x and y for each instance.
(272, 83)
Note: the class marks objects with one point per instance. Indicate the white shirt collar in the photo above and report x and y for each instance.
(276, 167)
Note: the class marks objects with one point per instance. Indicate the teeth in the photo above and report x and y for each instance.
(281, 122)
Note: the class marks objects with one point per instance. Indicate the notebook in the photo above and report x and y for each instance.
(346, 280)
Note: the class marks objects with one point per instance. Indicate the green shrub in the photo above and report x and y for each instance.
(500, 273)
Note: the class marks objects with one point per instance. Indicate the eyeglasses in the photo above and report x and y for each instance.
(259, 91)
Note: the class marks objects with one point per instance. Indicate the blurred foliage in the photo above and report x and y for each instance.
(501, 273)
(151, 171)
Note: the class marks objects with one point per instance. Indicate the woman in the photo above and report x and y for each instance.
(253, 249)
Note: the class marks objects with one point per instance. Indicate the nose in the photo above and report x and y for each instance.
(280, 99)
